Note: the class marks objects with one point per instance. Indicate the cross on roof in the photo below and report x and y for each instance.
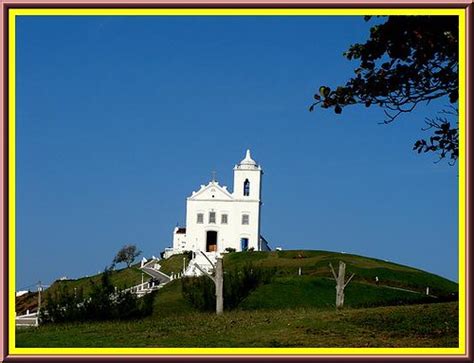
(213, 176)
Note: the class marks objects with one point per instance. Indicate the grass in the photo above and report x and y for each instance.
(173, 264)
(315, 263)
(308, 291)
(170, 301)
(122, 278)
(431, 325)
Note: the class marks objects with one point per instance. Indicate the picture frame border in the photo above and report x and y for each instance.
(9, 352)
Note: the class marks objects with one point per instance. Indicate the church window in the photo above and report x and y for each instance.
(212, 217)
(200, 218)
(246, 188)
(245, 219)
(224, 219)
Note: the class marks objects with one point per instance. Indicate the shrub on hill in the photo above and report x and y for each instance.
(103, 303)
(238, 284)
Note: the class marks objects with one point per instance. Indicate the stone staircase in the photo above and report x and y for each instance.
(205, 260)
(159, 279)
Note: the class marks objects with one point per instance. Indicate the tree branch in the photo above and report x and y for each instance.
(332, 270)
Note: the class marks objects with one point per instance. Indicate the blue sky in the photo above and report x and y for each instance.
(119, 119)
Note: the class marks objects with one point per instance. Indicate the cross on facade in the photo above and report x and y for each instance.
(213, 175)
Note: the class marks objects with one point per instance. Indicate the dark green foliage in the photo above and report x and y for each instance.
(407, 60)
(238, 284)
(200, 292)
(188, 255)
(62, 305)
(445, 138)
(147, 303)
(103, 303)
(126, 254)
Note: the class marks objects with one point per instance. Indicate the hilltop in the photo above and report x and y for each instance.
(398, 284)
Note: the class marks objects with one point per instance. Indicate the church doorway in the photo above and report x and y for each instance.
(211, 241)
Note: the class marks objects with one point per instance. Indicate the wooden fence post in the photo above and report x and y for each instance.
(219, 286)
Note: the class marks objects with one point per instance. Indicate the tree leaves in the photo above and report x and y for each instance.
(446, 139)
(126, 254)
(324, 91)
(405, 61)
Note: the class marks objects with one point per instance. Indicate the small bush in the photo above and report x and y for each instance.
(188, 254)
(238, 284)
(200, 292)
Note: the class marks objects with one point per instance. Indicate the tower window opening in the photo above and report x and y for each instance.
(246, 188)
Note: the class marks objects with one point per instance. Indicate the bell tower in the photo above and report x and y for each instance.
(248, 179)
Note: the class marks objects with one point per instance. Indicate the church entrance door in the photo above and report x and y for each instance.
(211, 241)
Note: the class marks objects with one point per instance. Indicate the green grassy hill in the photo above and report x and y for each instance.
(315, 264)
(122, 278)
(290, 311)
(398, 284)
(315, 288)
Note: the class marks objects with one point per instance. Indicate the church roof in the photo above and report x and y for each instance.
(211, 191)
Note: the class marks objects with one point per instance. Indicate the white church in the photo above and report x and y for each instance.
(218, 220)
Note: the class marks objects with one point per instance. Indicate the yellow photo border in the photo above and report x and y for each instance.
(14, 13)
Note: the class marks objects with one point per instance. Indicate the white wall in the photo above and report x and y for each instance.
(228, 235)
(179, 240)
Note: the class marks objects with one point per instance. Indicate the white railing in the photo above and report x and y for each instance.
(142, 288)
(28, 319)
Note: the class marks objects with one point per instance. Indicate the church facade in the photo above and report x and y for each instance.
(218, 219)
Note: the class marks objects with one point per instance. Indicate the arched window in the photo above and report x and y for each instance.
(246, 188)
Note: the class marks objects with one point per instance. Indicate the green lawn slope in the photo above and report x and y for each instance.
(315, 264)
(431, 325)
(174, 264)
(121, 278)
(314, 288)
